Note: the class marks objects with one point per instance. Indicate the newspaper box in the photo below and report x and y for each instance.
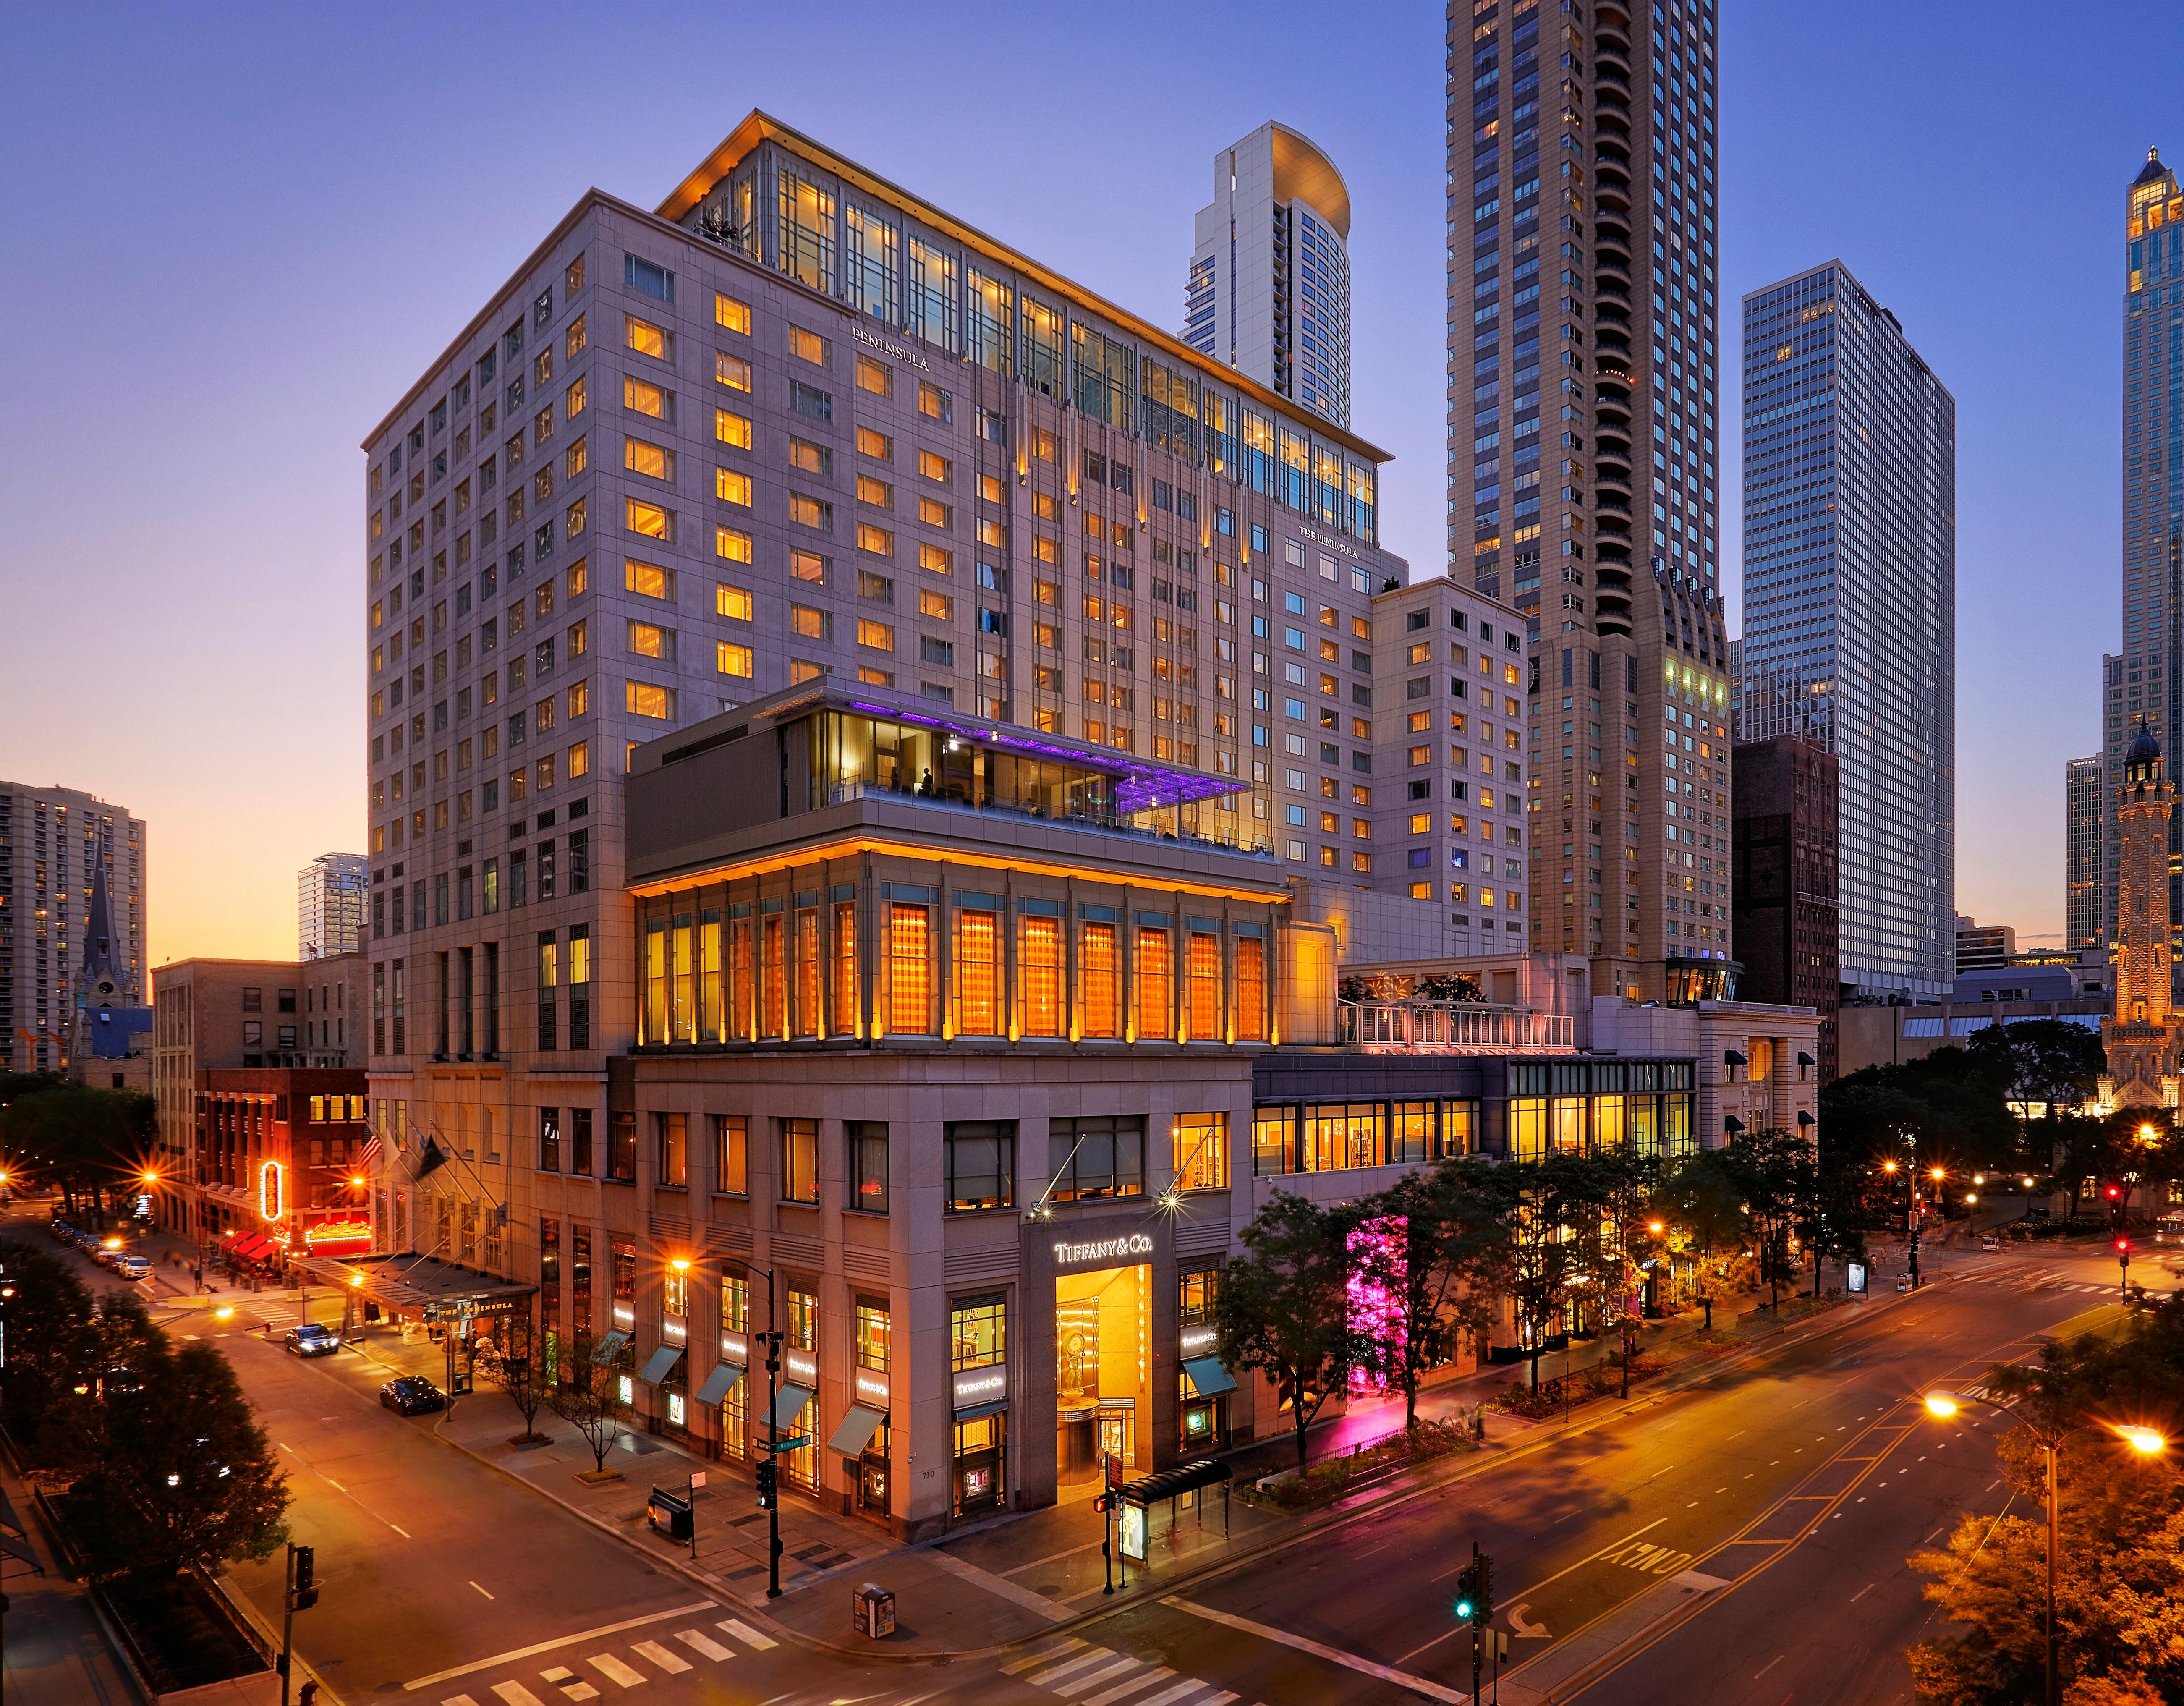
(873, 1607)
(669, 1514)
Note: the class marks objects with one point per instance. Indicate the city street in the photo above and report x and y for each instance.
(1741, 1540)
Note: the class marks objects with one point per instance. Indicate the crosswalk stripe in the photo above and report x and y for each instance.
(1047, 1678)
(614, 1670)
(516, 1694)
(704, 1645)
(669, 1662)
(1188, 1686)
(458, 1700)
(743, 1632)
(1045, 1655)
(1109, 1696)
(1076, 1685)
(570, 1683)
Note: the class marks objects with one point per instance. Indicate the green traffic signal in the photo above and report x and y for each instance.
(1463, 1609)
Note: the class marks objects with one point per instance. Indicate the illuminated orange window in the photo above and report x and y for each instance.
(1251, 989)
(774, 991)
(1101, 1008)
(1038, 953)
(709, 976)
(1205, 988)
(655, 985)
(739, 977)
(807, 971)
(845, 969)
(1155, 970)
(909, 976)
(684, 1015)
(977, 973)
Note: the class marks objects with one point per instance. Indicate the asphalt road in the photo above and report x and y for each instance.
(1765, 1516)
(1741, 1542)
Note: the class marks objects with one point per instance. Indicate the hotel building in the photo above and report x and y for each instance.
(1582, 317)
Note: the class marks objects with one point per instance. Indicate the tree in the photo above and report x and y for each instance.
(1449, 986)
(590, 1401)
(186, 1479)
(2120, 1591)
(49, 1325)
(1771, 1170)
(1956, 1105)
(1631, 1185)
(1827, 1209)
(520, 1368)
(1436, 1247)
(2050, 1060)
(88, 1141)
(1559, 1252)
(1284, 1307)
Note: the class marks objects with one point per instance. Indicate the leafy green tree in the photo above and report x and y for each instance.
(185, 1480)
(1957, 1106)
(1449, 986)
(2051, 1061)
(2120, 1610)
(1828, 1212)
(1630, 1190)
(1437, 1246)
(1283, 1309)
(1560, 1254)
(49, 1319)
(86, 1141)
(1772, 1171)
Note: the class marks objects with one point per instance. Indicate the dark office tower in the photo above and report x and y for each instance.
(1786, 884)
(1581, 387)
(2152, 494)
(2085, 815)
(1850, 602)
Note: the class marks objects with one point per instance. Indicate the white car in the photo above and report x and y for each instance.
(1989, 1242)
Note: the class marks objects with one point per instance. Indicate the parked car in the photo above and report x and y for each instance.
(1989, 1242)
(133, 1268)
(312, 1339)
(410, 1395)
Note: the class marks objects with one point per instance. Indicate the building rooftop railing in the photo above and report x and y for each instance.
(842, 793)
(1454, 1027)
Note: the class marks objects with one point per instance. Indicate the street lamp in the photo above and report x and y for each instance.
(2144, 1441)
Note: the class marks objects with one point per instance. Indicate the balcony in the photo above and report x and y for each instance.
(1453, 1028)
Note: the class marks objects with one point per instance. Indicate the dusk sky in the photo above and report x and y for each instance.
(236, 235)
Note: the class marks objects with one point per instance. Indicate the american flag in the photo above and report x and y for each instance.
(370, 1152)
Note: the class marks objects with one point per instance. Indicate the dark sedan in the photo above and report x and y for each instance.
(312, 1339)
(411, 1395)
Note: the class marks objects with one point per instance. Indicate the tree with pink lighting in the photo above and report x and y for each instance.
(1434, 1255)
(1285, 1308)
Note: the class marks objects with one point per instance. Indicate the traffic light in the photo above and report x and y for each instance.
(768, 1484)
(2114, 1197)
(1482, 1588)
(2123, 1251)
(1466, 1593)
(305, 1593)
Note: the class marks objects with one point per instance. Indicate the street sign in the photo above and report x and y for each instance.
(796, 1444)
(1114, 1473)
(698, 1480)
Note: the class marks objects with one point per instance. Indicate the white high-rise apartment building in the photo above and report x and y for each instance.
(1850, 607)
(52, 839)
(330, 904)
(1269, 289)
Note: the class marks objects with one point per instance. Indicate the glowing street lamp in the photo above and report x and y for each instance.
(2146, 1442)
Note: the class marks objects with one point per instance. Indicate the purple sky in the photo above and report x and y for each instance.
(238, 234)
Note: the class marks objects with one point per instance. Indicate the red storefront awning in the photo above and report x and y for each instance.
(252, 1245)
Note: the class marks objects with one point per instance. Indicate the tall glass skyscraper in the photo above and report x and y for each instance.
(1582, 371)
(1850, 585)
(2145, 677)
(2085, 820)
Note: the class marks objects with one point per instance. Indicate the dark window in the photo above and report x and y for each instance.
(642, 277)
(982, 1164)
(580, 1139)
(868, 1164)
(1093, 1158)
(621, 1147)
(549, 1139)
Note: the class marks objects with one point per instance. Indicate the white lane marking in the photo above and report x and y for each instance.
(1166, 1695)
(614, 1670)
(703, 1645)
(1109, 1696)
(516, 1694)
(1047, 1678)
(1769, 1665)
(501, 1658)
(669, 1662)
(1016, 1667)
(400, 1529)
(743, 1632)
(334, 1483)
(458, 1700)
(481, 1589)
(1863, 1592)
(1335, 1655)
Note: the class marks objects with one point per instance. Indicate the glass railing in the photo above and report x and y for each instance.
(842, 793)
(1457, 1027)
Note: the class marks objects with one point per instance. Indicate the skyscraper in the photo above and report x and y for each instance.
(52, 840)
(1269, 288)
(2145, 677)
(1850, 567)
(330, 904)
(2085, 820)
(1581, 385)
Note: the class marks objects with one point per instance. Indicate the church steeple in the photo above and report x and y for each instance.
(102, 983)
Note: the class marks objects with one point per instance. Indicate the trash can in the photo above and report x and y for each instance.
(668, 1513)
(872, 1607)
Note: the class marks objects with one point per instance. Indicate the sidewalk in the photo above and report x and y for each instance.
(54, 1653)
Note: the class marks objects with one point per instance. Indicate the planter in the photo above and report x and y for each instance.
(598, 1477)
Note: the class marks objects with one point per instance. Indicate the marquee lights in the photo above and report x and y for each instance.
(272, 1195)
